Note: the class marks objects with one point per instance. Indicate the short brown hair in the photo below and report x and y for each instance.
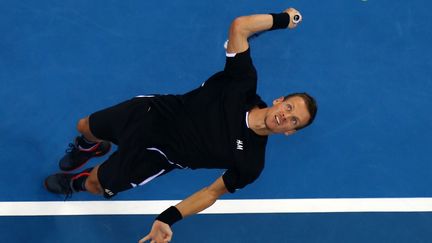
(310, 105)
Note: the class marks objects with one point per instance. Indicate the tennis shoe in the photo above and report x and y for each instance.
(60, 183)
(76, 156)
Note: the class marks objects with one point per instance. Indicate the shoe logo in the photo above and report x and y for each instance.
(239, 144)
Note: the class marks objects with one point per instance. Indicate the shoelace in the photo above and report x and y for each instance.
(71, 148)
(67, 184)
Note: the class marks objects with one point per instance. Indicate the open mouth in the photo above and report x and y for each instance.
(277, 119)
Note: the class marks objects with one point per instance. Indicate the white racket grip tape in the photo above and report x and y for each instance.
(297, 18)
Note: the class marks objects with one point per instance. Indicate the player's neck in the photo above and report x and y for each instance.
(256, 120)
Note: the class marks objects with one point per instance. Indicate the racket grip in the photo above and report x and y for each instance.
(297, 18)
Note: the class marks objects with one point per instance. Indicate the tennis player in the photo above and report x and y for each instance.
(221, 124)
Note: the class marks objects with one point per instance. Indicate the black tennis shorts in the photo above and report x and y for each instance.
(131, 165)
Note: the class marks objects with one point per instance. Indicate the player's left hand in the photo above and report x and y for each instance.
(160, 233)
(295, 17)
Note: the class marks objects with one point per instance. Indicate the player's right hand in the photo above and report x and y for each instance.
(160, 233)
(295, 17)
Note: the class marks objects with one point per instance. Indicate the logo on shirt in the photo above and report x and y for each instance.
(239, 144)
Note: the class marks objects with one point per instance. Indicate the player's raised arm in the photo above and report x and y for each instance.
(243, 27)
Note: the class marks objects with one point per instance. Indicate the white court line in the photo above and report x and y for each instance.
(340, 205)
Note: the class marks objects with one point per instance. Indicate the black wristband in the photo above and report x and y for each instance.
(170, 216)
(280, 21)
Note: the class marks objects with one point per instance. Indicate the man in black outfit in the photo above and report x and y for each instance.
(222, 124)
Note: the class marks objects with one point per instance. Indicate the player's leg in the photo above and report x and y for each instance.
(86, 180)
(97, 132)
(129, 167)
(83, 148)
(92, 183)
(123, 170)
(83, 127)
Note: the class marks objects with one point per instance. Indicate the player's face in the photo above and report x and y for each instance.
(285, 116)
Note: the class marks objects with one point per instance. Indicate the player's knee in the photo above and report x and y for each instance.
(237, 26)
(83, 125)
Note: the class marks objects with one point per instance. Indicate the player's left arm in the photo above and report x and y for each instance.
(161, 230)
(245, 26)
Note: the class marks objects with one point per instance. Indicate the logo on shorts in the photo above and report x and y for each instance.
(239, 144)
(109, 192)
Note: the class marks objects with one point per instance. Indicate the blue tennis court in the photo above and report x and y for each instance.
(368, 63)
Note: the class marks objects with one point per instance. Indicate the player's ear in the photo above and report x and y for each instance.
(290, 132)
(278, 100)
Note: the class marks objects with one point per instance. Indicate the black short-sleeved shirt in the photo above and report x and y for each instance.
(206, 127)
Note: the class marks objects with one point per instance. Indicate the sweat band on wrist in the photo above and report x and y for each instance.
(170, 216)
(280, 21)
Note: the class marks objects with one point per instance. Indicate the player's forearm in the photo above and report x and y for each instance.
(191, 205)
(249, 25)
(244, 27)
(197, 202)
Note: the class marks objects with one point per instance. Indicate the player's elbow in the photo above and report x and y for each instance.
(238, 27)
